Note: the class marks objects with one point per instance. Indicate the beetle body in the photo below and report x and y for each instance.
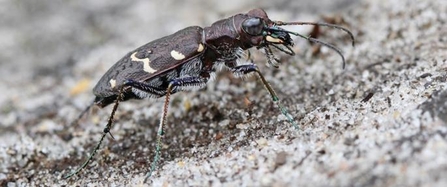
(191, 52)
(155, 63)
(188, 59)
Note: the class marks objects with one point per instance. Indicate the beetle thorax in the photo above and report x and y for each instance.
(227, 52)
(223, 37)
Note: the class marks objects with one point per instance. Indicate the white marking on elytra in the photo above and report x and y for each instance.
(200, 48)
(177, 55)
(273, 40)
(112, 83)
(146, 62)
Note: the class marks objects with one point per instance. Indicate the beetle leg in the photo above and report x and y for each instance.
(174, 85)
(85, 111)
(148, 89)
(271, 59)
(105, 132)
(245, 69)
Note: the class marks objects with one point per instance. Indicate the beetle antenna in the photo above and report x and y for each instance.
(325, 44)
(280, 23)
(315, 41)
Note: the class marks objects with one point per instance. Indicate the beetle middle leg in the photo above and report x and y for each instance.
(174, 86)
(249, 68)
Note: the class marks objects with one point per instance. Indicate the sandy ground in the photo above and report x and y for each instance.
(381, 121)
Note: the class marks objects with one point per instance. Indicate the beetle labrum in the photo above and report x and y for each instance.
(188, 59)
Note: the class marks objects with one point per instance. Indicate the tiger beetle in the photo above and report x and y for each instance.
(189, 58)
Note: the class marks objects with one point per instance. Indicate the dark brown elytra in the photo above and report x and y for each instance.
(188, 59)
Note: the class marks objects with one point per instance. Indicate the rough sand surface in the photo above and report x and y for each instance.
(381, 121)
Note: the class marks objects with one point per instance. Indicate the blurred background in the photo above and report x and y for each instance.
(379, 122)
(48, 45)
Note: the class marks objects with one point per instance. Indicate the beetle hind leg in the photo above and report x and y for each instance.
(84, 112)
(105, 132)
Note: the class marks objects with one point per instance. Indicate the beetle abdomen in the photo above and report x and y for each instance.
(151, 60)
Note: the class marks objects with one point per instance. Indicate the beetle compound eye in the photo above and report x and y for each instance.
(253, 26)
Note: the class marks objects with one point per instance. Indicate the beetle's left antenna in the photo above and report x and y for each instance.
(280, 23)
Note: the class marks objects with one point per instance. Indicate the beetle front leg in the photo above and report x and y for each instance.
(249, 68)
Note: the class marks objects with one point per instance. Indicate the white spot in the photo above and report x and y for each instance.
(200, 48)
(273, 40)
(146, 61)
(112, 83)
(177, 55)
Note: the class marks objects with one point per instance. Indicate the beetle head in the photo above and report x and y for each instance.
(259, 31)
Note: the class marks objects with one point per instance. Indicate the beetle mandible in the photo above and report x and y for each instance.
(188, 59)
